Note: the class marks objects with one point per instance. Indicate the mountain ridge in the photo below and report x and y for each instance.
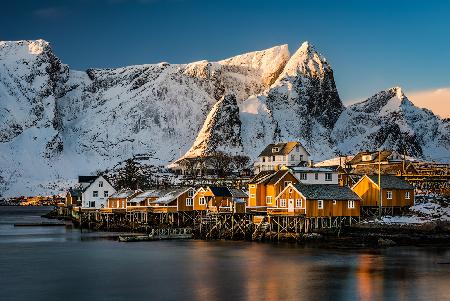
(63, 122)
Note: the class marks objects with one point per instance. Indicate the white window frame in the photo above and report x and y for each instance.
(106, 193)
(100, 183)
(282, 203)
(190, 193)
(351, 204)
(319, 204)
(407, 195)
(303, 176)
(328, 176)
(299, 203)
(95, 194)
(269, 199)
(275, 149)
(189, 202)
(202, 200)
(389, 195)
(316, 176)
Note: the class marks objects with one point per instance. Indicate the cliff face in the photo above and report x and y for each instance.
(221, 131)
(57, 123)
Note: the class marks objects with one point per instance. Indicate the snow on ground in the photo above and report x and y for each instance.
(425, 211)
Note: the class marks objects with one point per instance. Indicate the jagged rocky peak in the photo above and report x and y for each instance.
(306, 61)
(221, 131)
(304, 100)
(387, 100)
(23, 48)
(389, 120)
(31, 76)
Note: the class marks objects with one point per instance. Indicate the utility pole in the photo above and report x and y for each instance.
(379, 184)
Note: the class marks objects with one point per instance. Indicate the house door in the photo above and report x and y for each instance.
(291, 205)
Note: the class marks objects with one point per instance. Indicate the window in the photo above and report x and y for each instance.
(407, 195)
(286, 183)
(351, 204)
(264, 159)
(95, 194)
(297, 148)
(292, 157)
(105, 194)
(303, 176)
(274, 149)
(301, 157)
(252, 185)
(92, 204)
(201, 201)
(320, 204)
(188, 202)
(282, 203)
(273, 158)
(334, 202)
(328, 177)
(191, 193)
(100, 183)
(389, 195)
(316, 176)
(268, 200)
(298, 203)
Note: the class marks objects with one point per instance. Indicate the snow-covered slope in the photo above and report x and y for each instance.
(57, 123)
(388, 120)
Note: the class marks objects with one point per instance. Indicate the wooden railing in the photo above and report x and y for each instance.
(285, 211)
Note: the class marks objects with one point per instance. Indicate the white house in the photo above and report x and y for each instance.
(95, 192)
(277, 155)
(315, 175)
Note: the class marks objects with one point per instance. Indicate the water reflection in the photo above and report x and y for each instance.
(47, 263)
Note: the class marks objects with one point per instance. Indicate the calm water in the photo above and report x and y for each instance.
(59, 263)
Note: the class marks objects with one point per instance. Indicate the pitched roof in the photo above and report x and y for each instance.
(238, 193)
(147, 194)
(75, 192)
(86, 179)
(169, 195)
(326, 192)
(220, 191)
(284, 148)
(384, 155)
(277, 176)
(263, 175)
(123, 193)
(391, 182)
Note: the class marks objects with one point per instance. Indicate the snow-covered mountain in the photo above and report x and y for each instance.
(389, 120)
(56, 123)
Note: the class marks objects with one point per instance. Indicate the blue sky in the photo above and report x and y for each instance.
(371, 45)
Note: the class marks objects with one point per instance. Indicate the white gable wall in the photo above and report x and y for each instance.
(100, 201)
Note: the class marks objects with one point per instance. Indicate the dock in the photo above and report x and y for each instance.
(159, 234)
